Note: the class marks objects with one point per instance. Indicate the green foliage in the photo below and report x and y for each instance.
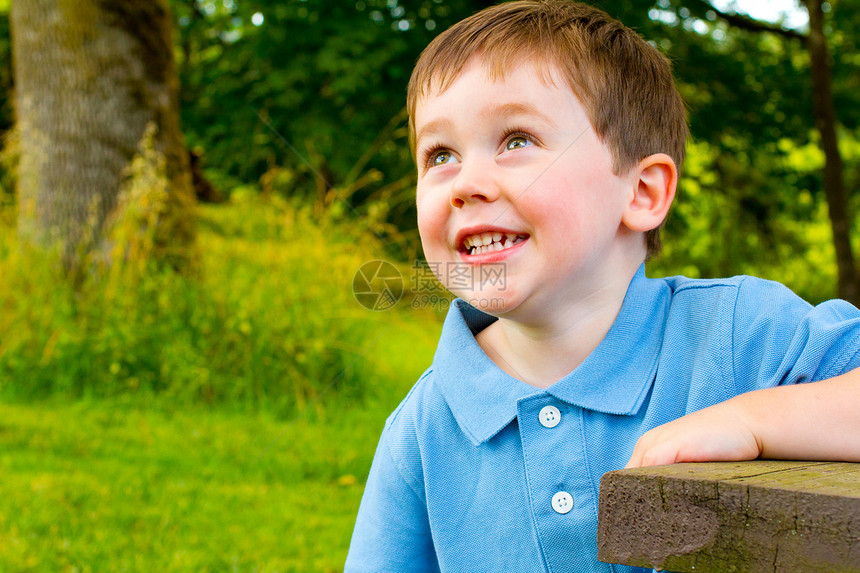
(714, 230)
(750, 198)
(302, 91)
(270, 322)
(143, 229)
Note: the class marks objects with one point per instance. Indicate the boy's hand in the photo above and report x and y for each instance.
(815, 421)
(719, 433)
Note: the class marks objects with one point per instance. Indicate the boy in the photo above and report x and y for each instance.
(547, 137)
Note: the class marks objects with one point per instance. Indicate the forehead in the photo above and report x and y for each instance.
(494, 67)
(517, 80)
(478, 100)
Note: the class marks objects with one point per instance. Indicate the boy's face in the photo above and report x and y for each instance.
(516, 160)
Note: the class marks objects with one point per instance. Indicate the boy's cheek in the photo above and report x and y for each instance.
(431, 229)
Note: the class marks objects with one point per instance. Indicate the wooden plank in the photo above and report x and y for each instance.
(723, 517)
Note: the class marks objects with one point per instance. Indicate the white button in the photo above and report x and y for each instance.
(562, 502)
(549, 417)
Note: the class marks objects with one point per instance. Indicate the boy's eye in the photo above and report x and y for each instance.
(439, 157)
(517, 142)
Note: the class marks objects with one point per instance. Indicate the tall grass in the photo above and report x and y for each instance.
(268, 322)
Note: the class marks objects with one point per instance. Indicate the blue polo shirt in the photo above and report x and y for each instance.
(477, 471)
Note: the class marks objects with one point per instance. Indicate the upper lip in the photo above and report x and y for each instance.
(481, 229)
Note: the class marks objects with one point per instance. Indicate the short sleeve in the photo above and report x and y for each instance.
(392, 530)
(781, 339)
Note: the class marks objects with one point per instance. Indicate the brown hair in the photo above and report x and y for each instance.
(624, 84)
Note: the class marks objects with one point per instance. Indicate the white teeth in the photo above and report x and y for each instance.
(491, 242)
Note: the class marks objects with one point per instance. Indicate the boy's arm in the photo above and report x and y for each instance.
(392, 531)
(814, 421)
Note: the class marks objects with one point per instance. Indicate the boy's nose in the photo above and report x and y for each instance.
(474, 183)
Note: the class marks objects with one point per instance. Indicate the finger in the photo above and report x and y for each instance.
(635, 460)
(657, 459)
(659, 455)
(643, 445)
(636, 457)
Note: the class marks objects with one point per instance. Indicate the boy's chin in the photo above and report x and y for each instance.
(494, 304)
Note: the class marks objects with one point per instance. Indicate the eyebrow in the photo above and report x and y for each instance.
(505, 110)
(511, 109)
(433, 128)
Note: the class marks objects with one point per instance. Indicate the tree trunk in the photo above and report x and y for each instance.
(96, 95)
(848, 285)
(834, 183)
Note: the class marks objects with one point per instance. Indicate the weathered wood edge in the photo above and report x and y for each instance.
(733, 516)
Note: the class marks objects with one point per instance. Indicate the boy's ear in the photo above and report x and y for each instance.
(654, 181)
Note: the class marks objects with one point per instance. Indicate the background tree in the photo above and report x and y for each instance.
(832, 177)
(814, 80)
(95, 90)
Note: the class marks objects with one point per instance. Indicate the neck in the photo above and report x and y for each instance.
(544, 351)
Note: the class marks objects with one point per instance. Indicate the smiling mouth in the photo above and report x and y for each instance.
(491, 242)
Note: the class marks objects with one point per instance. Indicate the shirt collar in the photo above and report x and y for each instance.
(613, 379)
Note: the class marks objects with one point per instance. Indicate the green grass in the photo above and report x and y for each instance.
(98, 486)
(219, 422)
